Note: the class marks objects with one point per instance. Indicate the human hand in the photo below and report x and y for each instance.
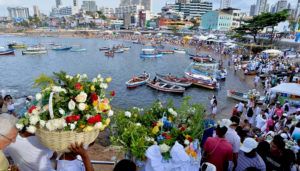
(78, 149)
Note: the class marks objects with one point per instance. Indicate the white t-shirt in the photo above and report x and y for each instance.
(214, 111)
(233, 139)
(29, 155)
(260, 122)
(66, 165)
(10, 106)
(256, 79)
(240, 107)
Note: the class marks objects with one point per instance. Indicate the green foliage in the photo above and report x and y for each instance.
(42, 81)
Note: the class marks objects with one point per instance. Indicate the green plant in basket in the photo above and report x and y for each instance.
(69, 103)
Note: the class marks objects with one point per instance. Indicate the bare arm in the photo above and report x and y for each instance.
(78, 149)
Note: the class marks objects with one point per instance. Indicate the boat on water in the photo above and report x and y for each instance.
(109, 53)
(104, 48)
(16, 46)
(202, 59)
(36, 48)
(205, 84)
(165, 51)
(126, 48)
(78, 50)
(47, 43)
(199, 77)
(183, 82)
(39, 52)
(62, 48)
(243, 97)
(119, 51)
(7, 52)
(138, 81)
(150, 53)
(162, 86)
(183, 51)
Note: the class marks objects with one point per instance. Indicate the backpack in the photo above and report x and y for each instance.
(250, 112)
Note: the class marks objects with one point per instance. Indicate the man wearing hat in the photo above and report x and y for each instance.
(248, 158)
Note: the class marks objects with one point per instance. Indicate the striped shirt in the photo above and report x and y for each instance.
(244, 162)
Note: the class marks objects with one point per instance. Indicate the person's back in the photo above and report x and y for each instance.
(28, 154)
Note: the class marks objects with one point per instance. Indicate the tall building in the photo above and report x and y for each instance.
(146, 3)
(36, 10)
(225, 4)
(267, 8)
(75, 3)
(260, 6)
(281, 5)
(89, 5)
(63, 11)
(18, 12)
(273, 8)
(107, 11)
(252, 10)
(193, 9)
(58, 3)
(297, 9)
(121, 11)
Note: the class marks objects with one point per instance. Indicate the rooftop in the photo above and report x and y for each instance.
(222, 13)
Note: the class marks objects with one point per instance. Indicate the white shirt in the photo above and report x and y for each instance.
(240, 107)
(214, 111)
(10, 106)
(66, 165)
(256, 79)
(260, 122)
(29, 155)
(233, 139)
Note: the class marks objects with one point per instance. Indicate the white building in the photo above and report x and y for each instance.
(225, 4)
(298, 9)
(36, 10)
(18, 12)
(194, 9)
(146, 3)
(236, 16)
(63, 11)
(130, 9)
(75, 3)
(260, 6)
(107, 11)
(89, 5)
(281, 5)
(58, 3)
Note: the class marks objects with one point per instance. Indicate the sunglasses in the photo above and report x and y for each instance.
(9, 139)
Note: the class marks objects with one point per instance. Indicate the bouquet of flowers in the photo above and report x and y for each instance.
(69, 103)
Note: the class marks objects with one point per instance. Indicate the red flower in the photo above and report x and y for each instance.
(182, 128)
(155, 123)
(76, 117)
(112, 93)
(190, 139)
(168, 137)
(92, 120)
(78, 86)
(70, 119)
(164, 134)
(94, 97)
(98, 118)
(31, 109)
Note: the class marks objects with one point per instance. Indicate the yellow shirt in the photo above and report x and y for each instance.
(3, 162)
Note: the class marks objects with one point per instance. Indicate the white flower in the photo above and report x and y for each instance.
(172, 112)
(88, 116)
(71, 105)
(138, 124)
(58, 89)
(72, 126)
(101, 79)
(99, 76)
(61, 111)
(186, 142)
(34, 119)
(127, 114)
(56, 124)
(38, 96)
(98, 125)
(110, 113)
(103, 85)
(69, 77)
(77, 75)
(94, 80)
(81, 98)
(85, 76)
(81, 106)
(155, 143)
(164, 148)
(42, 123)
(31, 129)
(35, 112)
(224, 123)
(19, 126)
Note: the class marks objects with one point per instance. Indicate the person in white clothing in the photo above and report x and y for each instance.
(240, 108)
(261, 120)
(28, 154)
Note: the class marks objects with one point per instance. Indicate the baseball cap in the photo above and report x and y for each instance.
(298, 110)
(237, 105)
(248, 145)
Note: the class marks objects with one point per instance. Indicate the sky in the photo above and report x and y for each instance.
(46, 5)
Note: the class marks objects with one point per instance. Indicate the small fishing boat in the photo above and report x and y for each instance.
(202, 59)
(183, 51)
(15, 45)
(183, 82)
(200, 77)
(27, 52)
(125, 48)
(109, 53)
(78, 50)
(7, 52)
(205, 84)
(62, 48)
(165, 87)
(165, 51)
(119, 51)
(243, 97)
(137, 81)
(150, 53)
(36, 48)
(47, 43)
(104, 48)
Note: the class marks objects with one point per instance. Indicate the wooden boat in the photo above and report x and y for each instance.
(109, 53)
(137, 81)
(17, 46)
(202, 59)
(119, 51)
(125, 48)
(165, 51)
(200, 77)
(62, 48)
(150, 53)
(104, 48)
(166, 87)
(205, 84)
(34, 52)
(7, 52)
(243, 97)
(78, 50)
(179, 51)
(183, 82)
(36, 48)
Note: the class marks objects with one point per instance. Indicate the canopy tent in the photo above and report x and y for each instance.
(137, 33)
(288, 88)
(273, 52)
(108, 32)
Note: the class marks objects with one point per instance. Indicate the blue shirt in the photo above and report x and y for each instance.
(244, 162)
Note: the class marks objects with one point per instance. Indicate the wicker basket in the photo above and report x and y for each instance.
(59, 141)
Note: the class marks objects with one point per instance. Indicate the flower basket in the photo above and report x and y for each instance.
(59, 141)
